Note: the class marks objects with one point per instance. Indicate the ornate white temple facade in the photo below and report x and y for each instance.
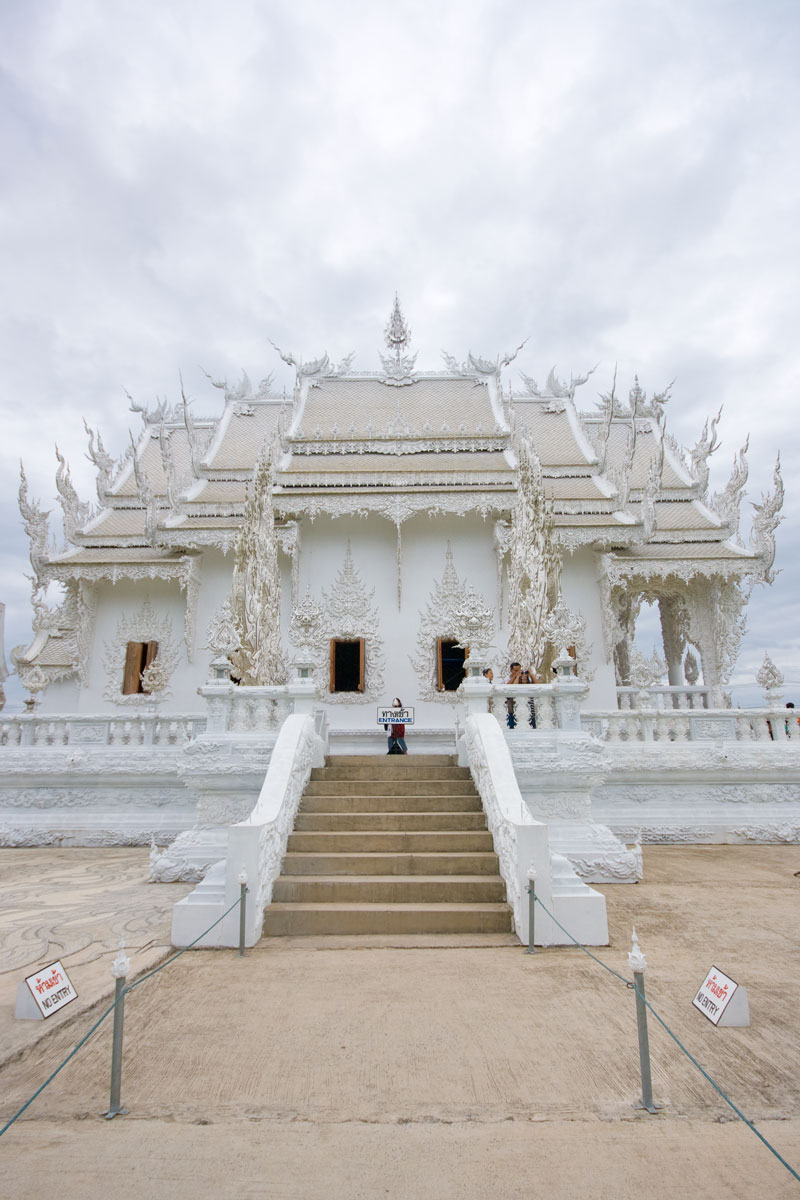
(388, 533)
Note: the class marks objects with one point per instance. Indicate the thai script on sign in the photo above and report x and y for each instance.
(714, 994)
(51, 988)
(395, 716)
(49, 981)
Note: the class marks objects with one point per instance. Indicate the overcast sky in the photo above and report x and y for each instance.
(617, 181)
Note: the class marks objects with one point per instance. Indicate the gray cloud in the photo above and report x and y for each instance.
(617, 181)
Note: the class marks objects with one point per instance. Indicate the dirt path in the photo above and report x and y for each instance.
(309, 1070)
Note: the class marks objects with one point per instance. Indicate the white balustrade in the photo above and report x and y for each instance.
(682, 725)
(663, 698)
(101, 730)
(527, 707)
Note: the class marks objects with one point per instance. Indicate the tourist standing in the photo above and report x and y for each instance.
(397, 733)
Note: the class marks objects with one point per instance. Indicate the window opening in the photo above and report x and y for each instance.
(450, 664)
(347, 665)
(138, 657)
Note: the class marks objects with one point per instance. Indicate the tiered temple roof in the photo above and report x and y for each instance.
(398, 443)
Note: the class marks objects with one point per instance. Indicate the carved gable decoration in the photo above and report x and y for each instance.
(347, 611)
(453, 608)
(144, 625)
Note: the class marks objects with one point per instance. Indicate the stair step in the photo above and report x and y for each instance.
(374, 822)
(284, 920)
(389, 846)
(365, 760)
(415, 786)
(383, 769)
(390, 864)
(328, 803)
(389, 889)
(398, 843)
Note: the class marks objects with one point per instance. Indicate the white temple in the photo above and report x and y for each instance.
(394, 533)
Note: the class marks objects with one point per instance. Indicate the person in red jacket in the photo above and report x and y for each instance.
(397, 733)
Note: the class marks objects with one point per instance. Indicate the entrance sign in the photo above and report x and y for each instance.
(395, 716)
(715, 994)
(51, 989)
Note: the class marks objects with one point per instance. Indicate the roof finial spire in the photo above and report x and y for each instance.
(398, 365)
(397, 333)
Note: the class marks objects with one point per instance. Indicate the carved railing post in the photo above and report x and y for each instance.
(476, 690)
(302, 690)
(218, 695)
(568, 693)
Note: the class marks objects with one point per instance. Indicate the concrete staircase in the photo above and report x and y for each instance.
(389, 845)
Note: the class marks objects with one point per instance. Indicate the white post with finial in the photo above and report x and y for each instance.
(638, 964)
(531, 908)
(119, 969)
(242, 908)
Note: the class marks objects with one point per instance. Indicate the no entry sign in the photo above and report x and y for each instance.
(715, 994)
(51, 989)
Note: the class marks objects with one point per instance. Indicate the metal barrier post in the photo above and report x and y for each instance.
(638, 964)
(119, 969)
(242, 909)
(531, 909)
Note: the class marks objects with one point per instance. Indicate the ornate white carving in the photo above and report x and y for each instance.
(415, 441)
(36, 526)
(222, 636)
(107, 467)
(534, 568)
(636, 960)
(651, 493)
(475, 366)
(305, 626)
(728, 502)
(186, 860)
(564, 628)
(691, 670)
(769, 832)
(259, 844)
(141, 626)
(76, 512)
(493, 774)
(398, 366)
(771, 680)
(555, 387)
(288, 538)
(701, 453)
(147, 497)
(256, 587)
(458, 504)
(646, 672)
(348, 611)
(502, 541)
(450, 606)
(765, 521)
(474, 623)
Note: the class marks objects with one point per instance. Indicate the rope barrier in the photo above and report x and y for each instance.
(675, 1038)
(110, 1009)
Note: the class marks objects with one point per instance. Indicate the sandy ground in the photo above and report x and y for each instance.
(76, 906)
(320, 1069)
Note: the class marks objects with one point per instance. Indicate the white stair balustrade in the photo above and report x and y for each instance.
(256, 844)
(522, 842)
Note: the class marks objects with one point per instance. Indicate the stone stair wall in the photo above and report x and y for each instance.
(389, 845)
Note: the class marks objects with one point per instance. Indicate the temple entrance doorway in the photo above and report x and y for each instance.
(347, 665)
(450, 664)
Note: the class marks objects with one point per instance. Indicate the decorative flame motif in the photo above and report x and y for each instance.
(636, 960)
(398, 366)
(535, 568)
(770, 679)
(255, 598)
